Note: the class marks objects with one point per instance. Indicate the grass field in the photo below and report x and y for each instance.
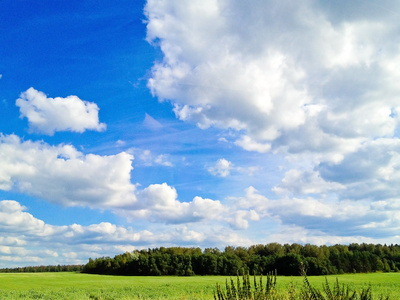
(84, 286)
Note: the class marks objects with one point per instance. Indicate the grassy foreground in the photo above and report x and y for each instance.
(84, 286)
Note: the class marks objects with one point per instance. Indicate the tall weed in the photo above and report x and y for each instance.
(244, 290)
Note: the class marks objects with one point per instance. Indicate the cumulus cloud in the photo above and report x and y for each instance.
(27, 240)
(321, 197)
(328, 216)
(299, 77)
(61, 174)
(313, 81)
(160, 202)
(241, 218)
(48, 115)
(222, 168)
(297, 182)
(371, 172)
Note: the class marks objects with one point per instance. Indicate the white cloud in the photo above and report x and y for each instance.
(162, 159)
(63, 175)
(159, 202)
(145, 156)
(48, 115)
(249, 144)
(222, 168)
(298, 182)
(120, 143)
(240, 219)
(14, 219)
(148, 159)
(328, 216)
(31, 241)
(371, 172)
(216, 79)
(299, 77)
(313, 81)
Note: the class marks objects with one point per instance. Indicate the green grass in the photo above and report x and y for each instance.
(382, 283)
(77, 286)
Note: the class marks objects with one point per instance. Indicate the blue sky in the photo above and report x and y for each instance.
(136, 124)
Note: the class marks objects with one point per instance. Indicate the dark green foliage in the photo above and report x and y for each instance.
(258, 259)
(39, 269)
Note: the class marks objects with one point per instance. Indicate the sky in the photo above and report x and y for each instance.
(206, 123)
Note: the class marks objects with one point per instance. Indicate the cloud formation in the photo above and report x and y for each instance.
(147, 158)
(298, 78)
(312, 81)
(341, 218)
(159, 202)
(222, 168)
(63, 175)
(30, 241)
(48, 115)
(302, 96)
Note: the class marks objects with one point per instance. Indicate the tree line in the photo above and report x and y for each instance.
(38, 269)
(257, 259)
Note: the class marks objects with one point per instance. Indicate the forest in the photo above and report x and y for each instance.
(41, 269)
(257, 259)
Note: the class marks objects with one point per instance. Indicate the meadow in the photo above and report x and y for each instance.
(78, 286)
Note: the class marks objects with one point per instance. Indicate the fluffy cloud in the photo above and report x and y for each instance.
(31, 241)
(297, 182)
(299, 77)
(160, 202)
(63, 175)
(327, 216)
(48, 115)
(13, 217)
(371, 172)
(213, 79)
(222, 168)
(313, 81)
